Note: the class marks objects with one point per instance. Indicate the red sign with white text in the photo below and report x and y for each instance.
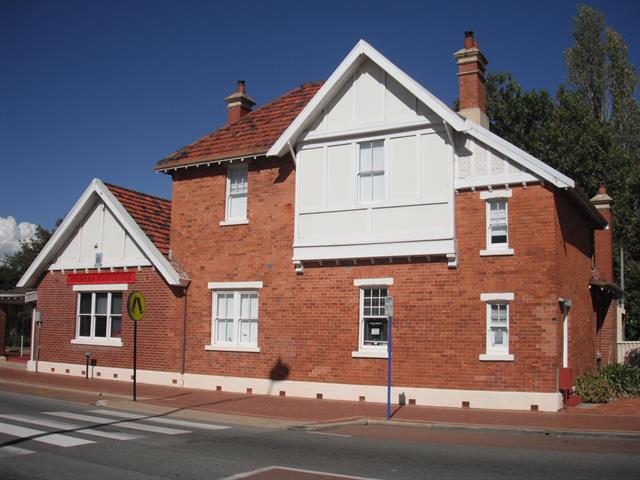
(100, 277)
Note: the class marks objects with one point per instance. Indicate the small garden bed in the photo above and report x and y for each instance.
(608, 382)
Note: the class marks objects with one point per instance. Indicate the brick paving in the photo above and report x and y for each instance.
(619, 416)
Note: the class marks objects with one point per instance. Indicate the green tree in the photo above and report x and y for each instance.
(14, 266)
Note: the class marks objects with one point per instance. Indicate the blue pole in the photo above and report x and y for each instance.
(389, 368)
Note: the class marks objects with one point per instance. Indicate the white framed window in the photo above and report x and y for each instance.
(371, 171)
(373, 328)
(234, 325)
(497, 326)
(497, 223)
(237, 189)
(99, 318)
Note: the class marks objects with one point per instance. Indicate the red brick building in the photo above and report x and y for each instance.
(294, 222)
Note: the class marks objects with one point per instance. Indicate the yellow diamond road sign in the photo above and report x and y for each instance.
(136, 306)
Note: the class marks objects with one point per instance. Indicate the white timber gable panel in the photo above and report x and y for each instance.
(478, 165)
(374, 175)
(99, 241)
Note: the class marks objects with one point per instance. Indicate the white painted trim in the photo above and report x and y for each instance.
(234, 285)
(114, 342)
(77, 265)
(486, 194)
(495, 252)
(496, 357)
(235, 221)
(372, 282)
(369, 129)
(226, 223)
(98, 191)
(370, 354)
(103, 287)
(507, 400)
(373, 250)
(497, 297)
(494, 180)
(231, 348)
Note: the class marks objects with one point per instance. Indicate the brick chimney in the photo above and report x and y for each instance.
(471, 63)
(238, 103)
(603, 239)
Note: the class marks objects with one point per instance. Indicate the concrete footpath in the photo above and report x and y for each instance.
(619, 418)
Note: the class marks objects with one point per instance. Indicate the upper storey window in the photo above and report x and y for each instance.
(371, 171)
(497, 223)
(237, 188)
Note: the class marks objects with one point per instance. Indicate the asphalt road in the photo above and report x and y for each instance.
(42, 438)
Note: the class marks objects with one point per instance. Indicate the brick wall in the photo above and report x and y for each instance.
(309, 323)
(159, 332)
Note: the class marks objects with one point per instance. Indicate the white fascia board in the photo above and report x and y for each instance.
(519, 156)
(335, 81)
(98, 190)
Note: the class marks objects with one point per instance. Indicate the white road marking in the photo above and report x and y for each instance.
(167, 421)
(9, 451)
(330, 434)
(47, 422)
(42, 436)
(238, 476)
(119, 424)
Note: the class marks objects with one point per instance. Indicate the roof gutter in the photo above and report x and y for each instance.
(208, 163)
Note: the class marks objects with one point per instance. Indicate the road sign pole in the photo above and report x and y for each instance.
(135, 348)
(389, 368)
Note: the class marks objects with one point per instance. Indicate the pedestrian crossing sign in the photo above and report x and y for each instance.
(136, 306)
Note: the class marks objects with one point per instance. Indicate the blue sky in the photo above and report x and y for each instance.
(106, 89)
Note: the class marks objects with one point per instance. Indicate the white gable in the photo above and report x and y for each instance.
(370, 97)
(99, 235)
(98, 223)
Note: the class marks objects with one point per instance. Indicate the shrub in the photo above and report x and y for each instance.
(616, 380)
(623, 379)
(593, 388)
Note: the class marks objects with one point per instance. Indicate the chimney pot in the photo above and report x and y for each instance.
(240, 88)
(602, 188)
(469, 40)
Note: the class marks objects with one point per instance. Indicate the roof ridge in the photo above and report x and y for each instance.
(137, 192)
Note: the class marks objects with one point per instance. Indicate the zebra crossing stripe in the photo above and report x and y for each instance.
(42, 436)
(116, 423)
(10, 451)
(166, 421)
(47, 422)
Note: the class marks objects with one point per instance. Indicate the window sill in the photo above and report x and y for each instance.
(97, 342)
(226, 223)
(370, 354)
(496, 357)
(231, 348)
(496, 252)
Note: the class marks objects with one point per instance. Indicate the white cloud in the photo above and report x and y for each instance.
(11, 233)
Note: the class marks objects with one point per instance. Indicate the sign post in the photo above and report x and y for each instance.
(136, 308)
(388, 307)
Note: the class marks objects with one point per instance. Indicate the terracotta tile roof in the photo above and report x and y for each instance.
(253, 134)
(152, 214)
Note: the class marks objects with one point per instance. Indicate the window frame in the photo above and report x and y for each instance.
(237, 289)
(369, 351)
(372, 172)
(92, 339)
(492, 198)
(229, 196)
(493, 353)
